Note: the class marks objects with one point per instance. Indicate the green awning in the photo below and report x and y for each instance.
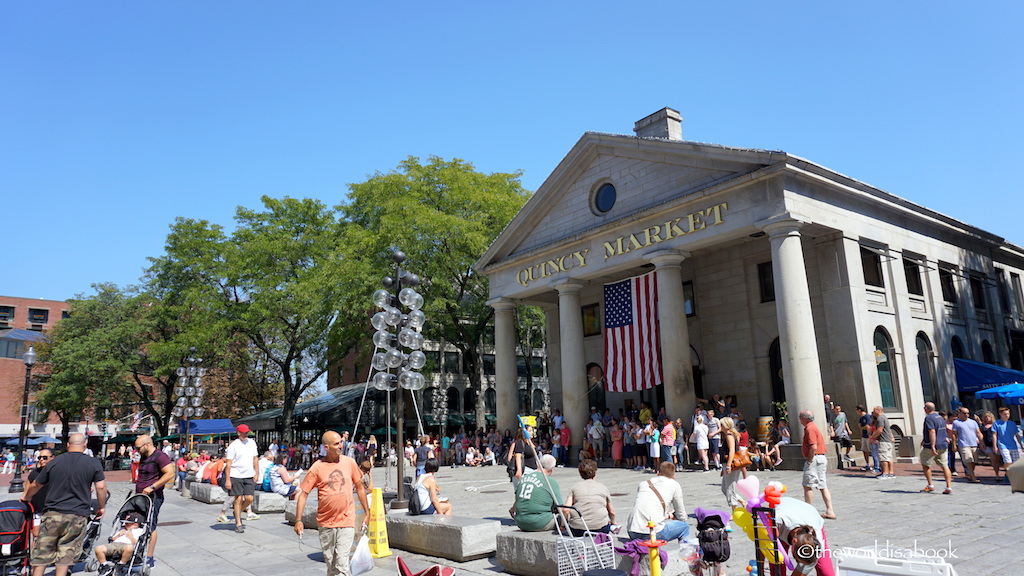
(383, 431)
(122, 438)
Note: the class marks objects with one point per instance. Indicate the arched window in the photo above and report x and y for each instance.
(957, 348)
(775, 367)
(538, 400)
(469, 400)
(987, 354)
(490, 400)
(885, 363)
(926, 366)
(453, 400)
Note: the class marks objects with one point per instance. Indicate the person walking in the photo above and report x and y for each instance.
(43, 457)
(730, 475)
(967, 435)
(70, 478)
(840, 430)
(933, 448)
(240, 474)
(883, 435)
(156, 470)
(333, 477)
(815, 464)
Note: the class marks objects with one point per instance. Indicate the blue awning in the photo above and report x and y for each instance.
(973, 376)
(216, 426)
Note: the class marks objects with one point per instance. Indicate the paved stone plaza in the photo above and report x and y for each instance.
(980, 524)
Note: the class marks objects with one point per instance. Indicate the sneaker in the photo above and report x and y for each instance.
(240, 528)
(150, 561)
(947, 491)
(252, 516)
(955, 474)
(928, 489)
(222, 518)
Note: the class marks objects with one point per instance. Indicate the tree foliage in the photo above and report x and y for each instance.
(443, 214)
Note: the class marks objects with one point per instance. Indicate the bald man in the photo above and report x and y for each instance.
(333, 476)
(70, 478)
(155, 471)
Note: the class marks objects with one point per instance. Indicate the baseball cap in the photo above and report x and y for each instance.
(133, 518)
(243, 428)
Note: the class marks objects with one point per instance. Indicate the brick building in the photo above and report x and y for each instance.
(23, 322)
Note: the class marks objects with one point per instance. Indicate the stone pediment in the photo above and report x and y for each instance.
(646, 173)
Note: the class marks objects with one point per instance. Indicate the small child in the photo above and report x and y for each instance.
(122, 543)
(756, 457)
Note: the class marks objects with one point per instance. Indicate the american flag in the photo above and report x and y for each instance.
(632, 350)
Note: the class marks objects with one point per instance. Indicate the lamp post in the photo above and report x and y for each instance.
(189, 390)
(17, 483)
(398, 335)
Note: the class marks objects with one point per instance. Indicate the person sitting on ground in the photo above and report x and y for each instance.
(122, 543)
(428, 492)
(281, 482)
(536, 493)
(593, 501)
(659, 500)
(489, 459)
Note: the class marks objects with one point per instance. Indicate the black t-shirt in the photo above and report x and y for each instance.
(864, 422)
(529, 455)
(70, 477)
(422, 454)
(39, 500)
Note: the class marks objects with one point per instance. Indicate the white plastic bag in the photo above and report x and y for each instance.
(362, 560)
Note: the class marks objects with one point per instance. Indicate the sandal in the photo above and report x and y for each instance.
(828, 516)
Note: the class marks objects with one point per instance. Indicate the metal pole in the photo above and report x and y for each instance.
(400, 502)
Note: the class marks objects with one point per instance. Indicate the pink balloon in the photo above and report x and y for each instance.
(749, 487)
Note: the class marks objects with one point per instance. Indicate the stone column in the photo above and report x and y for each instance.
(799, 346)
(554, 351)
(506, 384)
(574, 373)
(676, 364)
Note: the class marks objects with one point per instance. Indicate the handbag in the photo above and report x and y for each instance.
(740, 458)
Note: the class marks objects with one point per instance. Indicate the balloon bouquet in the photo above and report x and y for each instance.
(744, 518)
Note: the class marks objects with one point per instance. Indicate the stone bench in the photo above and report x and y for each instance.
(186, 490)
(536, 553)
(452, 537)
(269, 502)
(308, 515)
(209, 493)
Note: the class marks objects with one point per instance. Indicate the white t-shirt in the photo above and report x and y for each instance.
(124, 539)
(242, 455)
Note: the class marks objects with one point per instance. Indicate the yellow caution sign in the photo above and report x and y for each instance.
(377, 527)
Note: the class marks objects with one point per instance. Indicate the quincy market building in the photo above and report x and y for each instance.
(778, 279)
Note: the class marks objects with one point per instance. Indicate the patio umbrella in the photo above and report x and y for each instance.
(28, 442)
(47, 439)
(1013, 392)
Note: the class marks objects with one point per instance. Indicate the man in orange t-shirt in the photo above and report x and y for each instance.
(334, 477)
(815, 464)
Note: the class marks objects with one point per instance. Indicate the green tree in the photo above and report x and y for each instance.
(443, 214)
(529, 322)
(276, 281)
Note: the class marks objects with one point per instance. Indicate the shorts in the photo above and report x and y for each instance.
(885, 451)
(865, 445)
(158, 502)
(969, 454)
(844, 441)
(814, 472)
(939, 458)
(289, 490)
(115, 549)
(243, 487)
(1009, 455)
(60, 539)
(715, 443)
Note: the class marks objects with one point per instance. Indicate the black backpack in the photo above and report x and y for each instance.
(414, 501)
(714, 540)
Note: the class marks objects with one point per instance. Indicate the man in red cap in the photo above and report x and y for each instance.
(240, 473)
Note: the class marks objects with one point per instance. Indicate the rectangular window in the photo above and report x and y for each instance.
(978, 293)
(520, 367)
(537, 366)
(947, 280)
(38, 316)
(11, 349)
(64, 315)
(766, 281)
(6, 313)
(489, 364)
(591, 320)
(1018, 293)
(1004, 291)
(688, 301)
(451, 363)
(871, 261)
(433, 361)
(912, 270)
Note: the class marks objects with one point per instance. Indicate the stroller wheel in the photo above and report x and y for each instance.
(92, 564)
(145, 570)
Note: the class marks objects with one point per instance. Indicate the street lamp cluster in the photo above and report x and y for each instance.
(398, 341)
(189, 390)
(18, 483)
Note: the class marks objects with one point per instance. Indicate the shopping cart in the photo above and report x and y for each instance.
(576, 555)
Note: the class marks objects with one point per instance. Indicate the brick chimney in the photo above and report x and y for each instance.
(665, 123)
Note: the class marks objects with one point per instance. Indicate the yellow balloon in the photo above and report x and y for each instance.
(743, 519)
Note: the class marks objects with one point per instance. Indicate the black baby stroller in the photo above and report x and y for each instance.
(16, 520)
(92, 533)
(714, 540)
(141, 505)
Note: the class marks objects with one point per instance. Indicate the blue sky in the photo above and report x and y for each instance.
(120, 116)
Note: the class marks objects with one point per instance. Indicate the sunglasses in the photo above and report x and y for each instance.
(43, 458)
